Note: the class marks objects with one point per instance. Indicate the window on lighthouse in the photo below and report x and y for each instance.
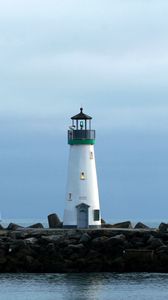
(96, 214)
(82, 176)
(70, 196)
(91, 155)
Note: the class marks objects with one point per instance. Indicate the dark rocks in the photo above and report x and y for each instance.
(126, 224)
(141, 260)
(54, 221)
(3, 258)
(31, 240)
(77, 247)
(18, 234)
(115, 241)
(163, 227)
(85, 238)
(92, 250)
(154, 243)
(37, 225)
(105, 225)
(162, 249)
(13, 226)
(99, 241)
(1, 227)
(51, 238)
(140, 225)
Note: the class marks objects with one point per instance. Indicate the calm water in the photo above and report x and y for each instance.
(104, 286)
(28, 222)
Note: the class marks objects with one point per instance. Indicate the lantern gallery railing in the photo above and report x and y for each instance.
(81, 134)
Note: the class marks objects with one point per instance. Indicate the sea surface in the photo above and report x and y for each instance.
(28, 222)
(91, 286)
(83, 286)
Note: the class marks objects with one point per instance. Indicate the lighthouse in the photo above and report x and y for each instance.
(82, 207)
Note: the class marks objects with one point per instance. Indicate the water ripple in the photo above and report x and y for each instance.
(95, 286)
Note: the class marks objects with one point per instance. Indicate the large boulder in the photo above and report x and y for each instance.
(115, 245)
(72, 249)
(13, 226)
(37, 225)
(54, 221)
(85, 238)
(126, 224)
(1, 227)
(163, 227)
(99, 241)
(115, 240)
(107, 225)
(140, 225)
(51, 239)
(154, 243)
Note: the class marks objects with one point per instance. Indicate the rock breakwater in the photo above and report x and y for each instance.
(85, 250)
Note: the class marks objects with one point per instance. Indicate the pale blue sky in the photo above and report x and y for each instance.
(111, 57)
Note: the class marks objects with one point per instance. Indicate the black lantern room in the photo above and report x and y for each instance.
(80, 131)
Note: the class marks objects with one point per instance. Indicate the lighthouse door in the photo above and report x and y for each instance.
(82, 215)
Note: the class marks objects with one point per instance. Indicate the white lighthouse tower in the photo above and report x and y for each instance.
(82, 208)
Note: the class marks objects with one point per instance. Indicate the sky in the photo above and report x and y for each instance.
(109, 56)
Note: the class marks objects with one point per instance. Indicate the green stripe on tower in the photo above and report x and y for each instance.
(81, 142)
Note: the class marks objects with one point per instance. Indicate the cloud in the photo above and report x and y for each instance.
(140, 119)
(71, 45)
(53, 122)
(98, 67)
(110, 56)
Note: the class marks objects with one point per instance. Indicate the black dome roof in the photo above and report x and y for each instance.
(81, 116)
